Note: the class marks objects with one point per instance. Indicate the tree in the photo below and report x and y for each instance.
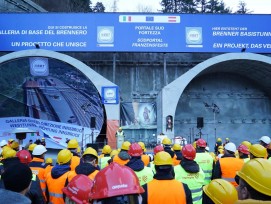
(242, 8)
(98, 8)
(194, 6)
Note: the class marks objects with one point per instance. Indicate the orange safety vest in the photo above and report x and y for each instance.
(73, 174)
(175, 160)
(55, 187)
(75, 161)
(39, 168)
(229, 166)
(166, 191)
(146, 159)
(119, 160)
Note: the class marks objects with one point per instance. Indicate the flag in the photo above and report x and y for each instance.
(126, 18)
(149, 18)
(172, 18)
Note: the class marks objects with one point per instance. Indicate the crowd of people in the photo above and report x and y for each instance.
(170, 174)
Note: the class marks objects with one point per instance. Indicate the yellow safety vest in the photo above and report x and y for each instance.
(205, 161)
(145, 175)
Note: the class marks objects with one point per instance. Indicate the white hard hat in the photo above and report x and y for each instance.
(230, 146)
(39, 150)
(3, 143)
(207, 148)
(265, 139)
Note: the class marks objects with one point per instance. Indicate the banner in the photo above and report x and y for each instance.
(138, 115)
(56, 134)
(140, 32)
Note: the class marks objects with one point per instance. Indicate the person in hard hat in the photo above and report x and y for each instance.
(49, 162)
(38, 166)
(35, 193)
(31, 148)
(28, 144)
(15, 145)
(78, 190)
(178, 154)
(116, 184)
(43, 142)
(144, 157)
(227, 140)
(265, 141)
(88, 166)
(123, 157)
(3, 143)
(257, 151)
(217, 144)
(227, 166)
(10, 141)
(219, 191)
(167, 144)
(164, 188)
(9, 158)
(112, 155)
(220, 151)
(143, 172)
(246, 143)
(57, 179)
(72, 146)
(120, 137)
(243, 152)
(103, 161)
(190, 172)
(158, 148)
(254, 185)
(17, 180)
(204, 160)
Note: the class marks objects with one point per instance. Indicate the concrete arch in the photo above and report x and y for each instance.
(112, 111)
(170, 94)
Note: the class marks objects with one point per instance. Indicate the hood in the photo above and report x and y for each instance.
(136, 164)
(59, 170)
(179, 155)
(123, 155)
(10, 161)
(168, 150)
(190, 166)
(85, 168)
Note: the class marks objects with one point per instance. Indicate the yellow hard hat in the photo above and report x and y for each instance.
(64, 156)
(114, 152)
(162, 158)
(14, 145)
(166, 141)
(120, 128)
(49, 161)
(31, 147)
(125, 145)
(9, 153)
(106, 149)
(194, 144)
(91, 151)
(5, 148)
(177, 147)
(227, 139)
(221, 191)
(256, 173)
(258, 151)
(142, 145)
(219, 139)
(246, 143)
(73, 144)
(10, 140)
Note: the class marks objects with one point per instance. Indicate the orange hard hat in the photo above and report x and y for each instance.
(115, 180)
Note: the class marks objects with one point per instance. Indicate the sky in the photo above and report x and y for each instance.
(255, 6)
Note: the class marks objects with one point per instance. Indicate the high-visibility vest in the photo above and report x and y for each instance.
(39, 168)
(166, 191)
(103, 162)
(119, 160)
(205, 161)
(119, 134)
(246, 159)
(90, 176)
(75, 161)
(195, 181)
(145, 175)
(55, 187)
(229, 166)
(146, 159)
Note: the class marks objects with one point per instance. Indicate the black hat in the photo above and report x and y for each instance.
(17, 177)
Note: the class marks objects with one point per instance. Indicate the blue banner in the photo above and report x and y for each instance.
(126, 32)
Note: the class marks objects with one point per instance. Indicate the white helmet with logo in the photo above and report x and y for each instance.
(265, 139)
(39, 150)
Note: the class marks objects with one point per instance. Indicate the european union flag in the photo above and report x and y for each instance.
(149, 18)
